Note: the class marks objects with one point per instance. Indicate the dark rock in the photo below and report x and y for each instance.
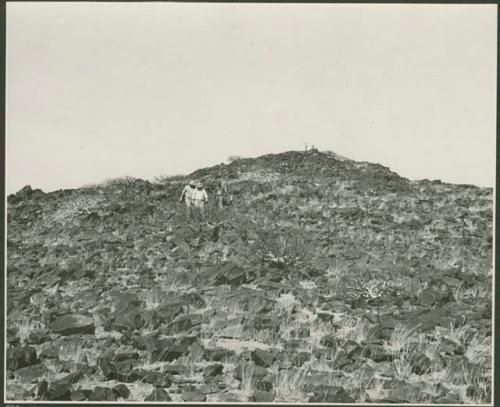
(121, 391)
(302, 332)
(262, 357)
(377, 353)
(78, 395)
(217, 354)
(402, 393)
(125, 365)
(375, 332)
(38, 337)
(59, 391)
(352, 349)
(102, 394)
(387, 321)
(122, 355)
(300, 358)
(175, 369)
(229, 273)
(71, 324)
(213, 370)
(168, 311)
(263, 396)
(107, 368)
(232, 331)
(130, 319)
(182, 323)
(264, 384)
(30, 374)
(41, 390)
(21, 356)
(421, 364)
(158, 395)
(429, 297)
(194, 396)
(330, 394)
(194, 299)
(257, 371)
(328, 341)
(157, 379)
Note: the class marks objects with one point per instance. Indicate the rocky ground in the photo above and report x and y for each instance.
(326, 280)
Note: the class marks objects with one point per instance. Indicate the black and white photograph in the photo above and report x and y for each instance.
(249, 203)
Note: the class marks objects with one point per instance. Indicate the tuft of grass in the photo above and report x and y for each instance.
(400, 338)
(291, 385)
(403, 366)
(25, 327)
(151, 298)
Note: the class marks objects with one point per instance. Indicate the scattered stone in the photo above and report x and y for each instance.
(263, 396)
(175, 369)
(78, 395)
(328, 341)
(257, 371)
(232, 332)
(262, 357)
(59, 391)
(330, 394)
(264, 384)
(213, 370)
(421, 364)
(121, 390)
(102, 394)
(71, 324)
(155, 378)
(30, 374)
(21, 356)
(194, 396)
(300, 358)
(158, 394)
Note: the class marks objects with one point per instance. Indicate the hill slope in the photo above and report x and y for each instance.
(326, 279)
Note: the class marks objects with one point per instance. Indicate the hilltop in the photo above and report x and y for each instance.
(326, 279)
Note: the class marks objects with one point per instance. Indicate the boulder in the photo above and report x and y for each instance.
(232, 331)
(158, 394)
(175, 369)
(229, 273)
(30, 374)
(59, 392)
(79, 395)
(193, 396)
(328, 341)
(260, 396)
(330, 394)
(21, 356)
(71, 324)
(213, 370)
(262, 357)
(257, 371)
(217, 354)
(121, 391)
(102, 394)
(421, 364)
(158, 379)
(167, 311)
(300, 358)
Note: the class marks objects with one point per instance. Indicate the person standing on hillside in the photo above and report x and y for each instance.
(187, 195)
(199, 198)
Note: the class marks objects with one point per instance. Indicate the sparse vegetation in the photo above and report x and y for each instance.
(324, 280)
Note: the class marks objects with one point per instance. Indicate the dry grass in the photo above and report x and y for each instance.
(290, 385)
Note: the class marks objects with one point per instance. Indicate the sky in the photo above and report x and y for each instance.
(103, 90)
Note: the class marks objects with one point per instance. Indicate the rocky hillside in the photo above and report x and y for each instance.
(325, 280)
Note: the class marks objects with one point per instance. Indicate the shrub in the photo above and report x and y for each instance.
(232, 158)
